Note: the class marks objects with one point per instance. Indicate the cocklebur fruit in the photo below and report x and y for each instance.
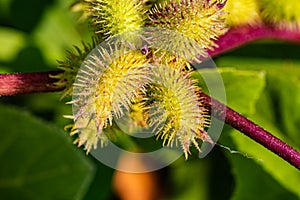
(201, 20)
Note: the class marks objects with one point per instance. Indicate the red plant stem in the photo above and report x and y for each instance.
(11, 84)
(244, 34)
(252, 130)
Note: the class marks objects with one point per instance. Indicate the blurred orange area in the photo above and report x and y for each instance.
(136, 186)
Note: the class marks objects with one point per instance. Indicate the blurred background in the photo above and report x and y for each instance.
(39, 161)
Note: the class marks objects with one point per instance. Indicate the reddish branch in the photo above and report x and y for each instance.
(252, 130)
(241, 35)
(11, 84)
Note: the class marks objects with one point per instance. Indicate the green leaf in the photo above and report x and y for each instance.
(11, 41)
(243, 87)
(100, 188)
(4, 8)
(196, 179)
(253, 182)
(278, 112)
(189, 179)
(38, 161)
(286, 175)
(59, 31)
(284, 91)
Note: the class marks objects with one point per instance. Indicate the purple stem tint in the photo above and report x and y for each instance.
(25, 83)
(251, 130)
(244, 34)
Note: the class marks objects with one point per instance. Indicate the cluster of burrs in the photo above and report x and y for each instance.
(145, 60)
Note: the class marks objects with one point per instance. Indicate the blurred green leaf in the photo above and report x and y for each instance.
(4, 8)
(189, 179)
(59, 31)
(19, 10)
(100, 188)
(206, 178)
(39, 161)
(11, 41)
